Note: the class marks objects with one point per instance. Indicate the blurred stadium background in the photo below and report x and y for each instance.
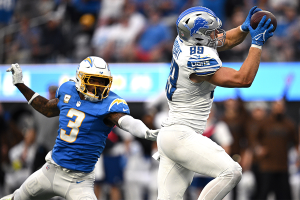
(48, 38)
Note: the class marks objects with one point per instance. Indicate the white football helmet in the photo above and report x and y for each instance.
(196, 25)
(93, 66)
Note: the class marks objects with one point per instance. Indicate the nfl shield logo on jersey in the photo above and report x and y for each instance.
(67, 98)
(78, 103)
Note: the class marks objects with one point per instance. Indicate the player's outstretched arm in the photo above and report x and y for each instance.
(134, 126)
(46, 107)
(237, 35)
(228, 77)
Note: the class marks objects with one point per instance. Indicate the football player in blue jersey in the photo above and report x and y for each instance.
(87, 111)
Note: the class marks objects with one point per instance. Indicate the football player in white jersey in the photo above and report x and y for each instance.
(196, 70)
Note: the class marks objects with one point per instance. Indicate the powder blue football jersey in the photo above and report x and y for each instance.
(82, 133)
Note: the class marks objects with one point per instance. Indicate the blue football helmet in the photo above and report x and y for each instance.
(197, 25)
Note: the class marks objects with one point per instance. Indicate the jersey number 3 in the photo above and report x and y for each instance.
(74, 125)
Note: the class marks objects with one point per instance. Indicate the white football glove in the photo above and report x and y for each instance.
(151, 134)
(16, 73)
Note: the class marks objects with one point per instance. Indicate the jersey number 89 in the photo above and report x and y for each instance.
(74, 125)
(196, 50)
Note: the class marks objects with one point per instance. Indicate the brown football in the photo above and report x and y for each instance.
(256, 17)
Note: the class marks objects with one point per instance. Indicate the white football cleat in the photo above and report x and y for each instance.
(8, 197)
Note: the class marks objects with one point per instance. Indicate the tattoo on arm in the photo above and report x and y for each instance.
(46, 107)
(41, 104)
(113, 118)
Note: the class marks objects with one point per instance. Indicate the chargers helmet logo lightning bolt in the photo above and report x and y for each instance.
(116, 101)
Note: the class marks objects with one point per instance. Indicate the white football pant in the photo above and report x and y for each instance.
(183, 152)
(52, 180)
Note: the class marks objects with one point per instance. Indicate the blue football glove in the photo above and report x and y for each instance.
(244, 26)
(262, 33)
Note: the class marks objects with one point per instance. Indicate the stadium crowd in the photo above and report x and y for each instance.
(60, 31)
(66, 31)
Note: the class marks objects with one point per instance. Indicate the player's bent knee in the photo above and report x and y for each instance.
(237, 175)
(81, 194)
(234, 173)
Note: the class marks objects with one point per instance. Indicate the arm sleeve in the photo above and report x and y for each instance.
(134, 126)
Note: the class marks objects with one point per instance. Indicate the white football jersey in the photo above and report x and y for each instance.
(190, 102)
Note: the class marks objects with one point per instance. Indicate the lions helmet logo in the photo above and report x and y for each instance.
(199, 23)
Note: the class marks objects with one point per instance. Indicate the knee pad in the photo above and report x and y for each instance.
(37, 184)
(20, 194)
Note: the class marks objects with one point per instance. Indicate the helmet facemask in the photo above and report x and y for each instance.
(216, 41)
(100, 91)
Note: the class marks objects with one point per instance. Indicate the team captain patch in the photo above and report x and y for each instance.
(67, 98)
(116, 101)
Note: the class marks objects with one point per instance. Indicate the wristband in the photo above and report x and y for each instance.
(243, 30)
(33, 97)
(256, 46)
